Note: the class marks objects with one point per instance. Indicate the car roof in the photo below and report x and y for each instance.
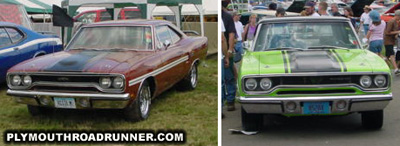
(304, 19)
(2, 23)
(129, 22)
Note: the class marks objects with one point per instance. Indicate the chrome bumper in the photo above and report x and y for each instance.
(276, 105)
(97, 101)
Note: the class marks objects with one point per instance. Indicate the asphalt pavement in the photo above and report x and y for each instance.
(317, 131)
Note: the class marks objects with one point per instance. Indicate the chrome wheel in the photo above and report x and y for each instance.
(193, 79)
(145, 100)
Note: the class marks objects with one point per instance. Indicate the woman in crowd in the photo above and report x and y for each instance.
(375, 33)
(250, 28)
(348, 13)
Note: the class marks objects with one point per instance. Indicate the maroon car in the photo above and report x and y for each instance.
(110, 65)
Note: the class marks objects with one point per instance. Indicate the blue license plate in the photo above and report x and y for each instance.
(316, 108)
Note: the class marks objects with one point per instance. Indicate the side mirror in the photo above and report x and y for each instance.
(247, 44)
(167, 43)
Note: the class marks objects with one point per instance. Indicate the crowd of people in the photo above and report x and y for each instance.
(377, 33)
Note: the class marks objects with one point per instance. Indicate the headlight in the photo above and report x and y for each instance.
(105, 82)
(118, 82)
(265, 83)
(27, 81)
(251, 84)
(16, 80)
(365, 81)
(380, 81)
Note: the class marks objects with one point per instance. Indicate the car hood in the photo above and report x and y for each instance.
(280, 62)
(83, 61)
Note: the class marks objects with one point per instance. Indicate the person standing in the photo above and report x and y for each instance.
(348, 13)
(250, 28)
(229, 72)
(239, 33)
(375, 33)
(280, 12)
(335, 10)
(310, 9)
(390, 39)
(225, 61)
(323, 6)
(365, 21)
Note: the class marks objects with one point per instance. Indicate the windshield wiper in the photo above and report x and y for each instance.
(122, 49)
(286, 48)
(82, 48)
(327, 47)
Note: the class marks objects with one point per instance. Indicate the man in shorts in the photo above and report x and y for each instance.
(391, 31)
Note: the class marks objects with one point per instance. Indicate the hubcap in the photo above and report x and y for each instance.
(193, 80)
(145, 100)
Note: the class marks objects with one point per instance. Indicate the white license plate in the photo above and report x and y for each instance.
(64, 102)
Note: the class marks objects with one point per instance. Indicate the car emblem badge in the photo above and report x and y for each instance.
(63, 79)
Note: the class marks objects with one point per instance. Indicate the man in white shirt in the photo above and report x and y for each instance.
(323, 6)
(239, 33)
(310, 9)
(365, 20)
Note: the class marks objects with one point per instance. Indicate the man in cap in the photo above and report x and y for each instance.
(391, 31)
(310, 9)
(239, 33)
(365, 20)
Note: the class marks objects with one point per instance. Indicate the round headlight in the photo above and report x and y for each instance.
(251, 84)
(16, 80)
(265, 83)
(105, 82)
(380, 81)
(27, 81)
(365, 81)
(118, 82)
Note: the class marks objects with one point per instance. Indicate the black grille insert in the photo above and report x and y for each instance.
(316, 92)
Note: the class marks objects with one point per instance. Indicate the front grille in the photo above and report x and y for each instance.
(318, 80)
(60, 78)
(347, 91)
(66, 89)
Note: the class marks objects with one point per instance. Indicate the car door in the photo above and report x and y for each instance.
(8, 53)
(171, 56)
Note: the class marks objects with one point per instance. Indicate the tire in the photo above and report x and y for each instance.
(372, 120)
(190, 81)
(139, 109)
(38, 110)
(251, 122)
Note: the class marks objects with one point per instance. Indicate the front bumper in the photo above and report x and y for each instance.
(96, 100)
(277, 105)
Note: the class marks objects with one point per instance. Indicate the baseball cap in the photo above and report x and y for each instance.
(309, 4)
(375, 16)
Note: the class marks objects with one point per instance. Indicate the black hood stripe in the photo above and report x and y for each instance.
(313, 61)
(285, 63)
(76, 62)
(340, 60)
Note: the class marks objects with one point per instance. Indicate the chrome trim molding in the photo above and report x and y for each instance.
(262, 99)
(124, 96)
(316, 86)
(158, 71)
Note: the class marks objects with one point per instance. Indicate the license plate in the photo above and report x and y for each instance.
(316, 108)
(64, 102)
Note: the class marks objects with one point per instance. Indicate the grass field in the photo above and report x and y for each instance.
(193, 111)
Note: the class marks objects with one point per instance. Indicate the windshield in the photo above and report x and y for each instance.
(113, 37)
(306, 36)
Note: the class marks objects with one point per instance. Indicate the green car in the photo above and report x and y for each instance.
(306, 66)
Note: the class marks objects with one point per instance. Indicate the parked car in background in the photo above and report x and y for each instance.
(306, 66)
(18, 44)
(103, 15)
(389, 14)
(110, 65)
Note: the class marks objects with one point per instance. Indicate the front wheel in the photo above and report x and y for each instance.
(140, 108)
(190, 81)
(372, 120)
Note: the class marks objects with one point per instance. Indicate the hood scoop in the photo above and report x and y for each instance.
(313, 61)
(75, 62)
